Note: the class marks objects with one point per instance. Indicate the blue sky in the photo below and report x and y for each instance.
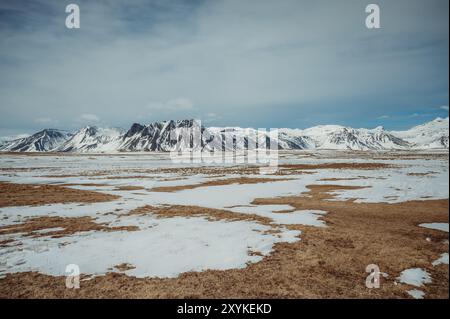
(265, 63)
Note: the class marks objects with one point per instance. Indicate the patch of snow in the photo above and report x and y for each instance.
(299, 217)
(436, 226)
(48, 230)
(415, 277)
(416, 294)
(161, 248)
(441, 260)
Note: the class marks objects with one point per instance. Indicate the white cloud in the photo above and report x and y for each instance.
(180, 104)
(13, 137)
(383, 117)
(231, 57)
(444, 107)
(21, 136)
(43, 120)
(47, 121)
(173, 105)
(211, 117)
(426, 114)
(89, 118)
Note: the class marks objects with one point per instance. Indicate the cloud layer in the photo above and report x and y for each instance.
(286, 63)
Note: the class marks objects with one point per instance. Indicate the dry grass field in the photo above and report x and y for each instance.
(140, 227)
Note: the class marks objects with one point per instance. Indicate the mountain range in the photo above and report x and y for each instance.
(157, 137)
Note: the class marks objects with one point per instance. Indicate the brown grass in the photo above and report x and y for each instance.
(70, 225)
(211, 214)
(327, 262)
(284, 169)
(358, 166)
(421, 174)
(342, 179)
(84, 184)
(128, 188)
(124, 267)
(28, 194)
(218, 182)
(5, 242)
(23, 169)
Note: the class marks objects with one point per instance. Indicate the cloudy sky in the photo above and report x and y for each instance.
(259, 63)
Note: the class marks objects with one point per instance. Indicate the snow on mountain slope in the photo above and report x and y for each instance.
(93, 139)
(358, 139)
(159, 136)
(43, 141)
(342, 138)
(4, 140)
(232, 138)
(152, 137)
(433, 134)
(163, 136)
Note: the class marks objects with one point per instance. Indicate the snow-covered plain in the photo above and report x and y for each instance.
(166, 247)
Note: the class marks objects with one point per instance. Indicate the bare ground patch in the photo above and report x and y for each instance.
(28, 194)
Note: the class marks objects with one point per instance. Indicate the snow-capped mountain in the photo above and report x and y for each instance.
(92, 139)
(4, 140)
(433, 134)
(43, 141)
(232, 138)
(341, 137)
(164, 136)
(152, 137)
(294, 141)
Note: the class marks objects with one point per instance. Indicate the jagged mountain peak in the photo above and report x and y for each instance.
(440, 119)
(42, 141)
(432, 134)
(135, 128)
(91, 138)
(153, 136)
(379, 128)
(157, 136)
